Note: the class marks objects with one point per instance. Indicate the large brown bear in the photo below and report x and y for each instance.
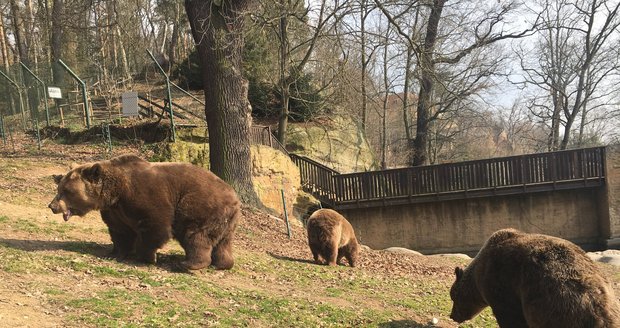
(331, 237)
(535, 281)
(145, 204)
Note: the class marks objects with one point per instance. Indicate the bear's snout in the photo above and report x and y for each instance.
(456, 316)
(53, 205)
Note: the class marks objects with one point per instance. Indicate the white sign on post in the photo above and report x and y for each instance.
(130, 104)
(54, 92)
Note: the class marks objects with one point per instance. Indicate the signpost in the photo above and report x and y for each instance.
(130, 103)
(54, 92)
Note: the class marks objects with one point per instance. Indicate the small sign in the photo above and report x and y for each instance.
(54, 92)
(130, 103)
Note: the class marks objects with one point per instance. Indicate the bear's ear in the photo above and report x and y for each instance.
(458, 272)
(93, 173)
(57, 178)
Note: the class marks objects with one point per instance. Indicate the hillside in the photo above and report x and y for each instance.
(56, 274)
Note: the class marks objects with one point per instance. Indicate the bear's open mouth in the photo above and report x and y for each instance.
(66, 215)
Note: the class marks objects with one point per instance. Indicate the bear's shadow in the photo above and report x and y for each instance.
(404, 324)
(287, 258)
(309, 261)
(165, 261)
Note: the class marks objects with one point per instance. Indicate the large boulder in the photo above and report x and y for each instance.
(338, 143)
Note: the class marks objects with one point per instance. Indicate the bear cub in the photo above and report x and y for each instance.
(331, 237)
(145, 204)
(535, 281)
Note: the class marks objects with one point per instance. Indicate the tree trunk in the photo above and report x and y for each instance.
(406, 118)
(427, 72)
(386, 97)
(285, 95)
(6, 64)
(23, 52)
(217, 30)
(174, 39)
(58, 73)
(363, 15)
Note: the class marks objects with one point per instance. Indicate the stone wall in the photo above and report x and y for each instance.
(462, 226)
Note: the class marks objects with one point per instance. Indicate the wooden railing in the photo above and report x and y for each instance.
(262, 135)
(497, 176)
(316, 178)
(569, 169)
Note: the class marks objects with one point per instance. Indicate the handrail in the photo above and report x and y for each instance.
(567, 169)
(574, 168)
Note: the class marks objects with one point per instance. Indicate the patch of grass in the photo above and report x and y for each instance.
(19, 261)
(54, 291)
(48, 227)
(117, 307)
(3, 219)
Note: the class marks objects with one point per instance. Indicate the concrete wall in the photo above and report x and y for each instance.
(589, 217)
(611, 212)
(464, 225)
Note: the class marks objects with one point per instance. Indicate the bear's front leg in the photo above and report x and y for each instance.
(150, 239)
(123, 237)
(221, 256)
(198, 248)
(509, 317)
(123, 244)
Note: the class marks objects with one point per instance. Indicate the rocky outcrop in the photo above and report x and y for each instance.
(338, 143)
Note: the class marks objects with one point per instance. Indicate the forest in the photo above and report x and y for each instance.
(427, 81)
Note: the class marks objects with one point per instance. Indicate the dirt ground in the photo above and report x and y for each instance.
(26, 188)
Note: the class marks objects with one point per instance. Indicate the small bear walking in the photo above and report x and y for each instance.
(535, 281)
(331, 237)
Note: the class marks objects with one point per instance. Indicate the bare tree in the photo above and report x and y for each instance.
(441, 48)
(295, 56)
(217, 29)
(574, 66)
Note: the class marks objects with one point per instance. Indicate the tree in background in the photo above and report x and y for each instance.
(574, 68)
(217, 27)
(478, 25)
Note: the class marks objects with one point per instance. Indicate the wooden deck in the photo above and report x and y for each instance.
(568, 169)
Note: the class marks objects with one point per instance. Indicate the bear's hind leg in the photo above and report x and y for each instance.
(315, 253)
(221, 257)
(331, 253)
(198, 248)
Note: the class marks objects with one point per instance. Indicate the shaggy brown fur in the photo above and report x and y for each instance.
(145, 204)
(331, 237)
(535, 281)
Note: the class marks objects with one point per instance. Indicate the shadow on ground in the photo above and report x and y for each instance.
(167, 262)
(404, 324)
(288, 258)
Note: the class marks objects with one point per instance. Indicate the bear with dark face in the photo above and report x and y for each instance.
(145, 204)
(331, 237)
(535, 281)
